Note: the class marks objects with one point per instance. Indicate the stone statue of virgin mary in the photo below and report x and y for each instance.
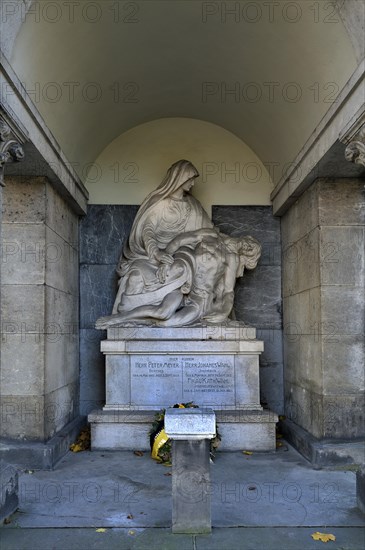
(176, 269)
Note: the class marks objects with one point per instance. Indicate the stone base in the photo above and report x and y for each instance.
(8, 490)
(41, 456)
(129, 430)
(360, 488)
(325, 452)
(150, 368)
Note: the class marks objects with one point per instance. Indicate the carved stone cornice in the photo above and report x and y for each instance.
(355, 150)
(11, 149)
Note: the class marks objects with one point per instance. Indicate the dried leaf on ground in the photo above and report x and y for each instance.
(247, 452)
(131, 532)
(324, 537)
(83, 441)
(168, 474)
(100, 530)
(130, 516)
(138, 453)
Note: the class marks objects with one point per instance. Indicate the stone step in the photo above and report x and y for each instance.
(252, 430)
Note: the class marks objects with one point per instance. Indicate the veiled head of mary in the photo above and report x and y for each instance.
(177, 175)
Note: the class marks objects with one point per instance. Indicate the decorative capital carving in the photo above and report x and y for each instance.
(355, 151)
(11, 149)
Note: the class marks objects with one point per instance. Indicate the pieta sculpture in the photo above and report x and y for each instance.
(176, 268)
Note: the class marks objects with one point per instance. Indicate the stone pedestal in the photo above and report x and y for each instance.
(191, 431)
(150, 368)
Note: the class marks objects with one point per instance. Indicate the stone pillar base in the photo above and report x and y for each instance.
(41, 456)
(323, 452)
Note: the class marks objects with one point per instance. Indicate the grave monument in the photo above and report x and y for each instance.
(171, 337)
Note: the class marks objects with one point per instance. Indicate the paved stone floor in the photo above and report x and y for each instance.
(271, 501)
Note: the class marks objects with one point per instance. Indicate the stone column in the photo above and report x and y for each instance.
(39, 348)
(323, 299)
(10, 151)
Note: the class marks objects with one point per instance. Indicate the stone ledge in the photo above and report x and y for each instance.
(323, 452)
(185, 346)
(204, 332)
(129, 430)
(41, 456)
(229, 416)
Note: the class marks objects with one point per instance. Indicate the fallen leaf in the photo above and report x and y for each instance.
(130, 516)
(247, 452)
(279, 444)
(131, 532)
(76, 448)
(324, 537)
(138, 453)
(279, 436)
(83, 441)
(100, 530)
(168, 474)
(7, 521)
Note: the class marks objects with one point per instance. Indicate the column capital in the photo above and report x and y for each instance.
(11, 143)
(355, 151)
(354, 139)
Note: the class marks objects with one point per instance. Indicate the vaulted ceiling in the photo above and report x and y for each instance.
(267, 72)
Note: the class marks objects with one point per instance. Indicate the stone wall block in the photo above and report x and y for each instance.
(304, 408)
(344, 416)
(60, 218)
(341, 202)
(342, 256)
(22, 308)
(23, 256)
(273, 345)
(61, 263)
(103, 232)
(61, 352)
(343, 363)
(22, 417)
(300, 313)
(99, 287)
(271, 386)
(61, 311)
(301, 218)
(60, 408)
(342, 310)
(308, 261)
(22, 364)
(24, 200)
(258, 297)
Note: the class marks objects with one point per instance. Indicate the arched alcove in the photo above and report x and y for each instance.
(135, 163)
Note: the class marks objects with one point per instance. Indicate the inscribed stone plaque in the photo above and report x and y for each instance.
(161, 380)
